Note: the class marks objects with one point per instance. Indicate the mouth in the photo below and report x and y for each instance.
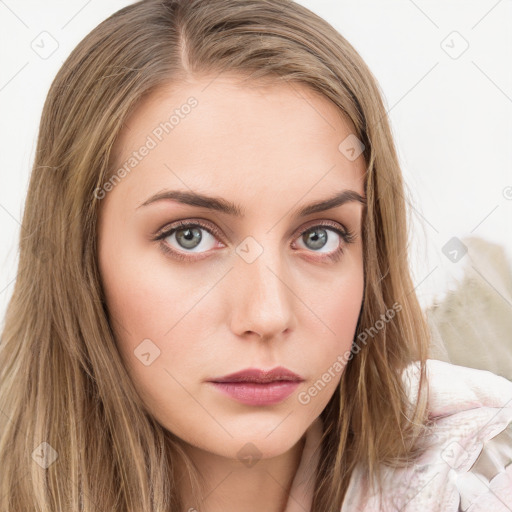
(255, 375)
(258, 387)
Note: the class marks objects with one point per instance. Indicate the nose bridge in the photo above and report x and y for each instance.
(262, 302)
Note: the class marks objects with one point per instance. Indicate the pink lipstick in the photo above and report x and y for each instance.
(258, 387)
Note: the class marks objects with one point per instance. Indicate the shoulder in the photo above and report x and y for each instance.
(468, 461)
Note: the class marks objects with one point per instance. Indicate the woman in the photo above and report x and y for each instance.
(213, 309)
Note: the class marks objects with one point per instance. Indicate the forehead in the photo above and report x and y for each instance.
(249, 138)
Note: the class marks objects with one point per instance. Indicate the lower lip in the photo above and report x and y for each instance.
(251, 393)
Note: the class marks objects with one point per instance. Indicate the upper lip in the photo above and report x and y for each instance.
(257, 375)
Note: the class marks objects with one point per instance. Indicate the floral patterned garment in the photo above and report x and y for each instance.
(468, 463)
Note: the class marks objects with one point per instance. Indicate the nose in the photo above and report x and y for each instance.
(263, 298)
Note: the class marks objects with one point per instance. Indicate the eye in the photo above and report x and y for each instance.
(326, 236)
(188, 237)
(183, 238)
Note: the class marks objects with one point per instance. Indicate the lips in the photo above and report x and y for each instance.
(257, 387)
(258, 376)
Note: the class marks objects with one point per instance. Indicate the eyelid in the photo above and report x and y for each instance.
(337, 226)
(204, 224)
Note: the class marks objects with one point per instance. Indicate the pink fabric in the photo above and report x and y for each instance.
(471, 408)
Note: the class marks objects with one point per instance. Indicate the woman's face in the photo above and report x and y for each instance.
(252, 280)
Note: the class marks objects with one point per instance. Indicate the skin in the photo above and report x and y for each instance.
(270, 149)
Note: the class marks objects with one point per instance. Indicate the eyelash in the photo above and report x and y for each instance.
(347, 236)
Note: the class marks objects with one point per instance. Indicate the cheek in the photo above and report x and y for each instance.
(148, 297)
(160, 344)
(329, 326)
(337, 315)
(336, 305)
(342, 310)
(162, 329)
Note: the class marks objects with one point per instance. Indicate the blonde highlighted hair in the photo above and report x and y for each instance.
(62, 381)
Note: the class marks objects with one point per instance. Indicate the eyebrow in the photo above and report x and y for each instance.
(229, 208)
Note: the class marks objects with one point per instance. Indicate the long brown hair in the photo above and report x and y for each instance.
(62, 379)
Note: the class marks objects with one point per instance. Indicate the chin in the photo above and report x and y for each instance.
(265, 442)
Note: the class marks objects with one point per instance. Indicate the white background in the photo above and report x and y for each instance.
(451, 117)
